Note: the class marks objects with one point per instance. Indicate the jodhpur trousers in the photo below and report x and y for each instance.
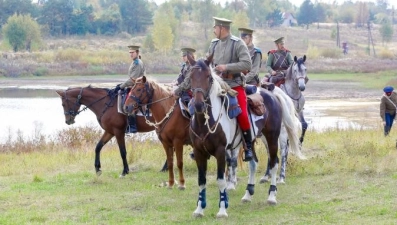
(389, 122)
(242, 118)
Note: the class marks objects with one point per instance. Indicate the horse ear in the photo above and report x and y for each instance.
(304, 58)
(144, 79)
(295, 59)
(59, 92)
(190, 59)
(209, 59)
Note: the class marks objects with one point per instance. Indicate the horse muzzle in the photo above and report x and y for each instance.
(130, 109)
(70, 121)
(199, 107)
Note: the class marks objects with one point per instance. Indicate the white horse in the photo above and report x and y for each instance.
(294, 85)
(213, 133)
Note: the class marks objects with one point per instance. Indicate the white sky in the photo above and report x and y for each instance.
(297, 2)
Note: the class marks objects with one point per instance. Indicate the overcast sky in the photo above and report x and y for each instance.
(295, 2)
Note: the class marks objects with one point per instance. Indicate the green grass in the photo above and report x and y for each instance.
(349, 178)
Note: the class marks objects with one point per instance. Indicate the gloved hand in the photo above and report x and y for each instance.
(117, 88)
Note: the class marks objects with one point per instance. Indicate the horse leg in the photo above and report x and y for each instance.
(201, 163)
(231, 163)
(123, 152)
(249, 191)
(179, 161)
(273, 171)
(104, 139)
(223, 198)
(169, 150)
(266, 176)
(284, 148)
(304, 127)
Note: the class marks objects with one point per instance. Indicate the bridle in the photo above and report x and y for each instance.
(205, 93)
(149, 90)
(73, 113)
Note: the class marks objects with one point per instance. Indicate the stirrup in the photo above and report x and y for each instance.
(248, 155)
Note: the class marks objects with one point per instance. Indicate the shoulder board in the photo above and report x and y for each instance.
(257, 50)
(215, 40)
(234, 38)
(272, 51)
(136, 62)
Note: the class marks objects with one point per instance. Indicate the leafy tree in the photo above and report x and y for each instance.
(320, 12)
(56, 15)
(110, 20)
(362, 15)
(135, 14)
(306, 15)
(275, 19)
(81, 21)
(257, 11)
(206, 9)
(21, 31)
(386, 31)
(19, 7)
(162, 32)
(240, 20)
(346, 12)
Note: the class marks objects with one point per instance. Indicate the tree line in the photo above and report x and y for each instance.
(24, 22)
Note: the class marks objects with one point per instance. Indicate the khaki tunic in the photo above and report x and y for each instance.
(232, 52)
(136, 70)
(185, 75)
(386, 106)
(256, 58)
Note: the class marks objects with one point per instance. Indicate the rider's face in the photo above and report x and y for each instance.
(280, 46)
(217, 30)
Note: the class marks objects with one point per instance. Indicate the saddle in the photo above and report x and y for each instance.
(255, 102)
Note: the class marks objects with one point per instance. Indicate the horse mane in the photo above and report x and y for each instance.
(162, 91)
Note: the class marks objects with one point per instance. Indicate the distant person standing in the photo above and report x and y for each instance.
(388, 108)
(252, 77)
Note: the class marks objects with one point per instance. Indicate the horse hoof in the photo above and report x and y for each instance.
(122, 176)
(272, 201)
(198, 214)
(182, 188)
(247, 197)
(264, 179)
(221, 215)
(99, 173)
(281, 180)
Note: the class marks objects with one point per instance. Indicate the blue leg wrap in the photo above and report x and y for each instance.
(202, 198)
(250, 188)
(224, 197)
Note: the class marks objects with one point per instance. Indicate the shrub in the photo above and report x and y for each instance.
(313, 52)
(386, 54)
(41, 71)
(333, 53)
(68, 55)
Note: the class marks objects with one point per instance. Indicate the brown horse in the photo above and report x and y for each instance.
(171, 126)
(213, 133)
(103, 103)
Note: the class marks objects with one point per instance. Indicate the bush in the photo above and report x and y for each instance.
(313, 52)
(333, 53)
(41, 71)
(386, 54)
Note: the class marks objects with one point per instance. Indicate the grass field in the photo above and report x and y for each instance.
(349, 178)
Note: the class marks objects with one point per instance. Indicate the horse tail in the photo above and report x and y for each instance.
(291, 121)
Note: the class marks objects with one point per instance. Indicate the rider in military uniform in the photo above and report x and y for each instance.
(136, 70)
(252, 77)
(278, 61)
(230, 59)
(183, 80)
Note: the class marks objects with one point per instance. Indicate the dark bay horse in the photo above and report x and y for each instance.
(213, 133)
(293, 86)
(171, 126)
(103, 103)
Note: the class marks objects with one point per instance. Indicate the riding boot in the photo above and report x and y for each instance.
(249, 155)
(387, 130)
(131, 127)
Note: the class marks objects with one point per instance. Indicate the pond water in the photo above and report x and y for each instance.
(27, 112)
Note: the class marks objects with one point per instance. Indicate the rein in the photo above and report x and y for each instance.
(78, 103)
(149, 90)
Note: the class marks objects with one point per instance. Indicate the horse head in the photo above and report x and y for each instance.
(139, 95)
(71, 103)
(200, 81)
(299, 72)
